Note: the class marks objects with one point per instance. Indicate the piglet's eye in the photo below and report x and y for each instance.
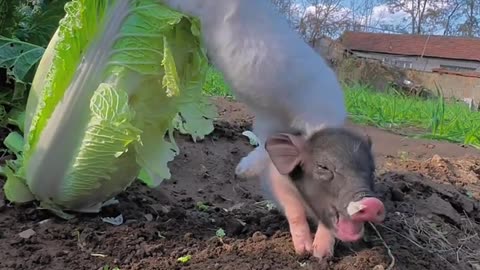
(322, 167)
(323, 173)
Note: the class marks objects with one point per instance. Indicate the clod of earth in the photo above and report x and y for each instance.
(27, 234)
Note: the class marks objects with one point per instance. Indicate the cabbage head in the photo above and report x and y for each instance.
(117, 78)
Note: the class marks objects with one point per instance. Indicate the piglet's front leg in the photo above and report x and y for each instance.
(289, 199)
(323, 243)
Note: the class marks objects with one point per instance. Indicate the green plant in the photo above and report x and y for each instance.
(31, 21)
(26, 26)
(220, 233)
(19, 58)
(114, 82)
(433, 118)
(184, 259)
(202, 206)
(215, 84)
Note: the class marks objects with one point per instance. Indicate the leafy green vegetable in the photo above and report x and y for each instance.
(114, 82)
(14, 142)
(202, 206)
(252, 138)
(220, 233)
(18, 57)
(31, 21)
(17, 118)
(185, 259)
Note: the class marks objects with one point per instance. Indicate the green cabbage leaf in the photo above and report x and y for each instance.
(117, 78)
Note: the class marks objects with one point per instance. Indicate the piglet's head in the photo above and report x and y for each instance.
(333, 171)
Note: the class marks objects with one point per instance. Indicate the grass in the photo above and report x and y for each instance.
(215, 84)
(431, 119)
(434, 118)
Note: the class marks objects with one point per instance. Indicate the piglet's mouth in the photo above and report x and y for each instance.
(350, 229)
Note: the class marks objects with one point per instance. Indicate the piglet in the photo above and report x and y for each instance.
(328, 176)
(290, 88)
(283, 81)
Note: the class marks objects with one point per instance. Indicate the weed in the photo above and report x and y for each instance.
(433, 118)
(202, 206)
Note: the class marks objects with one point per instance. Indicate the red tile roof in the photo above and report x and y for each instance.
(414, 45)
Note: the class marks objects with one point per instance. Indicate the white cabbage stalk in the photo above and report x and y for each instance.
(117, 77)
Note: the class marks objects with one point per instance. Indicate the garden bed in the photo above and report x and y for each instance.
(431, 191)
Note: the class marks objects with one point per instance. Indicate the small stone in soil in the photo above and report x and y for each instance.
(258, 237)
(188, 235)
(149, 217)
(159, 208)
(27, 234)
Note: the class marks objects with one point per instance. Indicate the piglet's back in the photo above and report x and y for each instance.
(266, 61)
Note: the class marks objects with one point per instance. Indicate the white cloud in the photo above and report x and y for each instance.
(335, 14)
(382, 15)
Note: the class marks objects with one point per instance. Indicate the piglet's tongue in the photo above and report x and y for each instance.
(348, 230)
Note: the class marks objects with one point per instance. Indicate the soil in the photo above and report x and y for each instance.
(431, 191)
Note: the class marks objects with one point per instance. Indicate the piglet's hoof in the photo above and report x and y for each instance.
(248, 167)
(302, 242)
(323, 243)
(322, 250)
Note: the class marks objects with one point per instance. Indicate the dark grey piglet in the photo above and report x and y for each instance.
(329, 177)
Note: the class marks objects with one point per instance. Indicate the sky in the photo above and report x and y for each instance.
(381, 18)
(380, 15)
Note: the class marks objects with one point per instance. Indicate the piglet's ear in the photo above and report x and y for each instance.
(285, 151)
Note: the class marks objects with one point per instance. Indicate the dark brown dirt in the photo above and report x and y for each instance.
(431, 191)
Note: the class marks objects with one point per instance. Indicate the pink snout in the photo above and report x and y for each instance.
(373, 210)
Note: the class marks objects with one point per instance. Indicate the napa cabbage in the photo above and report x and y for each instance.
(117, 78)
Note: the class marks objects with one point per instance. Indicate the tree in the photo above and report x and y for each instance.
(447, 17)
(417, 10)
(470, 27)
(313, 19)
(289, 9)
(323, 18)
(362, 15)
(450, 17)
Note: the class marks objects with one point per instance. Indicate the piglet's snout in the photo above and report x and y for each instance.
(368, 210)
